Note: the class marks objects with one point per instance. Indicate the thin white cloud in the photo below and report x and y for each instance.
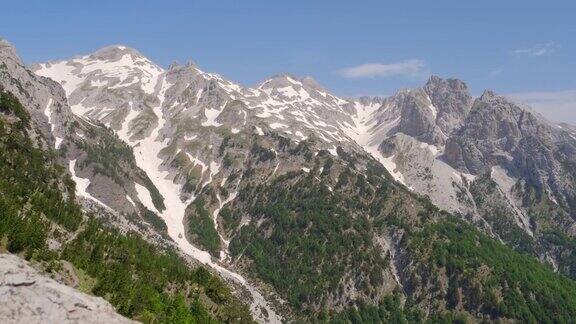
(559, 106)
(495, 72)
(538, 50)
(370, 70)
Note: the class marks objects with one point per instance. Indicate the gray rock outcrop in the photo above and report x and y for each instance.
(26, 296)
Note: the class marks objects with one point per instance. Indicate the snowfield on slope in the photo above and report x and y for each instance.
(147, 152)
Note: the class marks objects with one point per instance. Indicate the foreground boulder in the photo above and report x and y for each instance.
(29, 297)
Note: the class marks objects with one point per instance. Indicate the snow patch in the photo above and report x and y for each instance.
(433, 148)
(364, 136)
(198, 95)
(48, 113)
(277, 125)
(130, 200)
(124, 132)
(145, 197)
(211, 115)
(190, 138)
(288, 91)
(333, 151)
(82, 185)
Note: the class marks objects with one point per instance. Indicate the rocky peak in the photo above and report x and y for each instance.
(115, 52)
(499, 132)
(498, 109)
(286, 88)
(418, 116)
(433, 112)
(192, 64)
(310, 82)
(369, 100)
(279, 81)
(287, 80)
(8, 51)
(452, 100)
(174, 65)
(435, 81)
(487, 96)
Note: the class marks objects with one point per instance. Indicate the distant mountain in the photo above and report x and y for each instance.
(429, 204)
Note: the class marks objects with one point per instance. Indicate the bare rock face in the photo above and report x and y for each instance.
(431, 113)
(453, 100)
(29, 297)
(499, 132)
(418, 117)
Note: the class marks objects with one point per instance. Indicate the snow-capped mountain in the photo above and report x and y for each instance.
(80, 141)
(124, 90)
(205, 143)
(184, 113)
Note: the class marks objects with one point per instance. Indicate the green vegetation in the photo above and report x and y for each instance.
(498, 213)
(111, 157)
(553, 239)
(390, 310)
(86, 283)
(136, 278)
(106, 155)
(140, 280)
(157, 223)
(25, 181)
(492, 278)
(307, 241)
(157, 198)
(264, 154)
(549, 221)
(201, 228)
(230, 219)
(193, 178)
(10, 105)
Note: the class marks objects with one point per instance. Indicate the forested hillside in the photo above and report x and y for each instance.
(341, 241)
(40, 220)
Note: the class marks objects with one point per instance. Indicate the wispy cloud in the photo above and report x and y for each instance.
(370, 70)
(494, 73)
(558, 106)
(538, 50)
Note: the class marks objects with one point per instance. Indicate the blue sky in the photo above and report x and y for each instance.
(525, 48)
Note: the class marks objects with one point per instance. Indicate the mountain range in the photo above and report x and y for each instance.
(430, 204)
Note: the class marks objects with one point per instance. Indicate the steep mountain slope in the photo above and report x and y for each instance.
(330, 233)
(417, 124)
(41, 220)
(498, 132)
(293, 187)
(176, 131)
(103, 166)
(503, 167)
(531, 161)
